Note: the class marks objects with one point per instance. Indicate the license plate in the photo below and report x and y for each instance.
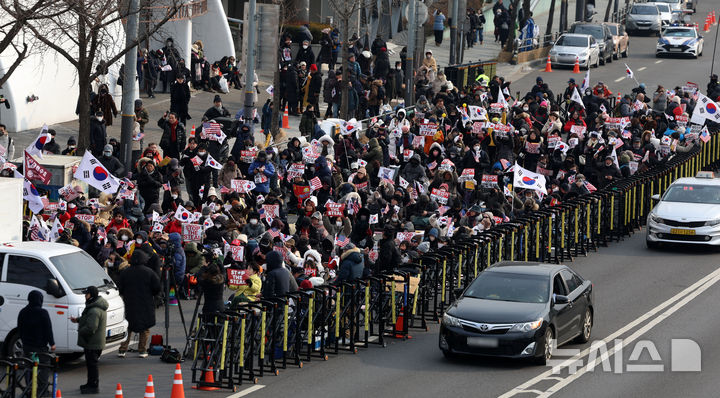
(115, 331)
(677, 231)
(485, 342)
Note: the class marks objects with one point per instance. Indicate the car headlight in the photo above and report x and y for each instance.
(583, 54)
(449, 320)
(712, 223)
(663, 41)
(656, 219)
(690, 42)
(526, 326)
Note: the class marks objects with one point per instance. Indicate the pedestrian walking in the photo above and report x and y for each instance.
(91, 336)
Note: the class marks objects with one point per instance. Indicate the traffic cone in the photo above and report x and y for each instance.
(286, 119)
(208, 378)
(706, 27)
(149, 388)
(177, 389)
(192, 132)
(619, 97)
(58, 394)
(548, 65)
(118, 391)
(576, 68)
(712, 18)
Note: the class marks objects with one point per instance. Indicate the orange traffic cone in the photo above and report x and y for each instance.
(192, 131)
(149, 388)
(286, 119)
(548, 65)
(208, 378)
(576, 68)
(177, 389)
(118, 391)
(58, 394)
(706, 27)
(712, 18)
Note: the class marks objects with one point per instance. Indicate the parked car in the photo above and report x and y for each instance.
(571, 46)
(666, 15)
(602, 36)
(643, 18)
(621, 40)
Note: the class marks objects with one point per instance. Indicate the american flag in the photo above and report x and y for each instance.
(590, 187)
(129, 184)
(315, 184)
(342, 240)
(212, 128)
(355, 206)
(385, 210)
(274, 232)
(166, 186)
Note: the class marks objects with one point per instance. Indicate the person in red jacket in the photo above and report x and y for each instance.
(173, 226)
(118, 221)
(575, 120)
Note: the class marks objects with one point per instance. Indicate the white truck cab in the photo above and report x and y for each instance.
(60, 272)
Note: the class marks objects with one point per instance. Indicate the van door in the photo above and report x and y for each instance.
(24, 274)
(5, 316)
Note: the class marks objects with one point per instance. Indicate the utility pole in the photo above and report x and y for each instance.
(250, 68)
(128, 88)
(453, 32)
(580, 10)
(409, 59)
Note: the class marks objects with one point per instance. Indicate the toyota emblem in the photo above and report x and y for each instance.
(484, 327)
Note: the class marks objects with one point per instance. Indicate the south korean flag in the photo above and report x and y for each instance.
(96, 175)
(183, 214)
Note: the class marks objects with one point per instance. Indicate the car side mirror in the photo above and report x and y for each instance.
(656, 197)
(52, 287)
(560, 299)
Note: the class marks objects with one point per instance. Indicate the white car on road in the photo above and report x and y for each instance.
(61, 272)
(680, 40)
(571, 46)
(688, 212)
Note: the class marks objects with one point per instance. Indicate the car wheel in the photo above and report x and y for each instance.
(601, 59)
(597, 62)
(652, 245)
(13, 346)
(547, 348)
(701, 51)
(616, 54)
(626, 52)
(449, 355)
(586, 327)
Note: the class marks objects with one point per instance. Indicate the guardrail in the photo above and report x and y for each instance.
(246, 342)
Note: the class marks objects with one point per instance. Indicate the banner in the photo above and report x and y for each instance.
(237, 277)
(68, 192)
(238, 252)
(334, 209)
(441, 196)
(192, 232)
(242, 186)
(428, 129)
(489, 181)
(34, 171)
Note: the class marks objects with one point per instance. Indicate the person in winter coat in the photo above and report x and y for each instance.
(329, 90)
(253, 285)
(659, 100)
(277, 278)
(308, 121)
(305, 53)
(175, 250)
(172, 141)
(212, 283)
(98, 134)
(104, 102)
(262, 170)
(438, 26)
(388, 255)
(180, 99)
(429, 61)
(138, 285)
(289, 88)
(111, 163)
(608, 172)
(315, 86)
(253, 229)
(229, 172)
(373, 157)
(413, 170)
(149, 182)
(382, 64)
(91, 332)
(352, 263)
(36, 333)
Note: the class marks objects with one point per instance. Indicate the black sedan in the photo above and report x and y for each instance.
(516, 310)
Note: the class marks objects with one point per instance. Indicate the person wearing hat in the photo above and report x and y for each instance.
(91, 336)
(36, 333)
(52, 146)
(602, 91)
(98, 134)
(289, 89)
(608, 172)
(570, 89)
(352, 264)
(305, 54)
(138, 285)
(315, 85)
(217, 110)
(111, 163)
(180, 98)
(277, 277)
(261, 171)
(542, 89)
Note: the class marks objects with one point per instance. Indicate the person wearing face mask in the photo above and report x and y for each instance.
(305, 54)
(337, 225)
(217, 232)
(98, 134)
(217, 110)
(172, 57)
(149, 182)
(429, 62)
(142, 243)
(253, 229)
(104, 102)
(261, 170)
(172, 141)
(111, 163)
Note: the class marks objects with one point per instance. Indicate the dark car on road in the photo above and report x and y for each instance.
(517, 310)
(602, 35)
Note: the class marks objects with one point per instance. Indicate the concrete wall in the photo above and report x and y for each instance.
(214, 31)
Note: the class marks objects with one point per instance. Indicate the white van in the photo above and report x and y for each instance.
(60, 272)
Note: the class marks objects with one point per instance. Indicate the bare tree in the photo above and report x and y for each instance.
(12, 30)
(551, 17)
(84, 33)
(344, 10)
(513, 17)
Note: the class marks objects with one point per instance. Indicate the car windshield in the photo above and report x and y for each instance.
(507, 286)
(663, 7)
(572, 41)
(80, 271)
(595, 31)
(613, 30)
(708, 194)
(668, 1)
(670, 32)
(644, 10)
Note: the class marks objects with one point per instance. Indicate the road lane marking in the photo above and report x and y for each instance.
(642, 68)
(658, 61)
(713, 277)
(626, 342)
(247, 391)
(619, 79)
